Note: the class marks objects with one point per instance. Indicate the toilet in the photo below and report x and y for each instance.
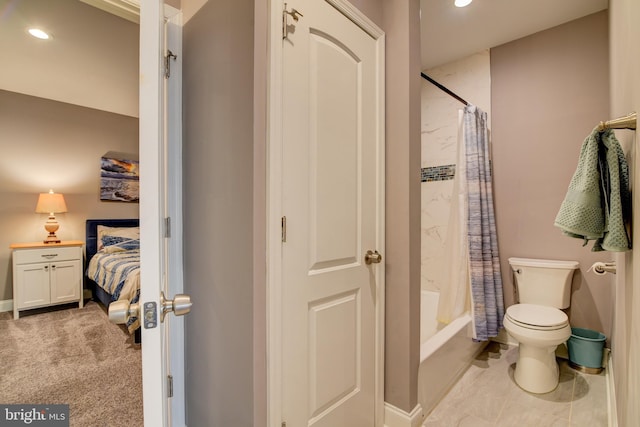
(537, 323)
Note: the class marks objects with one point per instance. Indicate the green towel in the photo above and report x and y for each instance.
(597, 204)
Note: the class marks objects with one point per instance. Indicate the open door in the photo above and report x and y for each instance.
(160, 202)
(160, 217)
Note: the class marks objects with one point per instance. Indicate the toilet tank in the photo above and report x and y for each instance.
(544, 282)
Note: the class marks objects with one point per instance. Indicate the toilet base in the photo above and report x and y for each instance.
(536, 369)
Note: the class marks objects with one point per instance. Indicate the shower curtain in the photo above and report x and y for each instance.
(454, 293)
(472, 271)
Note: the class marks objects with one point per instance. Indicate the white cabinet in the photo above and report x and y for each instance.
(46, 274)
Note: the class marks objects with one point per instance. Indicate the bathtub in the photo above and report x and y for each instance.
(446, 351)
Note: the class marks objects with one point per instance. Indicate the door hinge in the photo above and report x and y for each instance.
(169, 385)
(294, 14)
(284, 229)
(167, 63)
(167, 227)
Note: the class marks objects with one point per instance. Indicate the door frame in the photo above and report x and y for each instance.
(173, 209)
(274, 198)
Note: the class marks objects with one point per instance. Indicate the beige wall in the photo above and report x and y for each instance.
(625, 97)
(549, 90)
(48, 144)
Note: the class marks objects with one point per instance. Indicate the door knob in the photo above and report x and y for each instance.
(372, 257)
(180, 305)
(121, 311)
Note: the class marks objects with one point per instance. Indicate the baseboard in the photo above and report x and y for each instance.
(6, 305)
(611, 391)
(394, 417)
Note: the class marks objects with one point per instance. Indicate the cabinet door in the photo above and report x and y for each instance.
(33, 285)
(65, 281)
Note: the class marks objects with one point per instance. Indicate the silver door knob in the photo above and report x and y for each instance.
(372, 257)
(180, 305)
(121, 311)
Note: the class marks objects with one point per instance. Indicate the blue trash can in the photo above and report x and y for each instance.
(585, 350)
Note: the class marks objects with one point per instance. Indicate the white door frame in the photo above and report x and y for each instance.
(274, 209)
(173, 185)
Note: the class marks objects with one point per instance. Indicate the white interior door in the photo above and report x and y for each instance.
(160, 180)
(154, 369)
(332, 198)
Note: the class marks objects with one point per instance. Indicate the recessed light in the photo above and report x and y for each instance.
(462, 3)
(39, 34)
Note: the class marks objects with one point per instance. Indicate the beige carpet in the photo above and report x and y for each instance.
(73, 356)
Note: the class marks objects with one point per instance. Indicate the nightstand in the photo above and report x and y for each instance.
(46, 274)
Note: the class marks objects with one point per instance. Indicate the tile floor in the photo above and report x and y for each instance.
(487, 395)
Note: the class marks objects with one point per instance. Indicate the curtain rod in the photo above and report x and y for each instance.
(443, 88)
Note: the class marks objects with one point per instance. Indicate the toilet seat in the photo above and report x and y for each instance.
(537, 317)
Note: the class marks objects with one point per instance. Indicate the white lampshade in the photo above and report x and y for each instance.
(51, 203)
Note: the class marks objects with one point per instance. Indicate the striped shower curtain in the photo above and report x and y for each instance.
(487, 303)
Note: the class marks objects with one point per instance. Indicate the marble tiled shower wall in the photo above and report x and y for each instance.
(470, 78)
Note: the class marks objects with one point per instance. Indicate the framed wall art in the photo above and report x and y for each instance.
(119, 177)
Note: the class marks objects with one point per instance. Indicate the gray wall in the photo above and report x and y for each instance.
(225, 54)
(260, 73)
(372, 9)
(401, 23)
(549, 90)
(625, 97)
(218, 212)
(48, 144)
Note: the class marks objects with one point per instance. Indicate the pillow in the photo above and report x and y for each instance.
(112, 244)
(132, 233)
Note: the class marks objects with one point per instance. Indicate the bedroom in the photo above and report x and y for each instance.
(61, 110)
(62, 106)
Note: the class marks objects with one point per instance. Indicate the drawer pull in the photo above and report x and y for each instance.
(46, 268)
(49, 256)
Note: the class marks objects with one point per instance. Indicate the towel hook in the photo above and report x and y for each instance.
(626, 122)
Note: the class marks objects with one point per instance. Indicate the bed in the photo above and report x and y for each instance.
(113, 263)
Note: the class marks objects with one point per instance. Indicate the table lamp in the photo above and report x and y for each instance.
(51, 203)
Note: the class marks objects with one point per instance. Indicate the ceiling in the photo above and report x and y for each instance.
(92, 59)
(450, 33)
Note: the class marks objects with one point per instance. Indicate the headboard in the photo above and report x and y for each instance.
(92, 231)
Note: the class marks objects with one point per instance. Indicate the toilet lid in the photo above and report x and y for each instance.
(537, 316)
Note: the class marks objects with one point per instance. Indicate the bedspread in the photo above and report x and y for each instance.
(118, 273)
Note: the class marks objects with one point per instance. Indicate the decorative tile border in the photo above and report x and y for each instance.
(438, 173)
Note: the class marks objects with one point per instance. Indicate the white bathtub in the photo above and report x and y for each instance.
(445, 352)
